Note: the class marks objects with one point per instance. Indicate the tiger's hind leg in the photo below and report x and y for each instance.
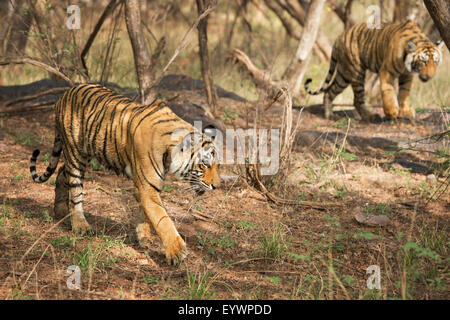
(336, 88)
(359, 100)
(61, 207)
(76, 177)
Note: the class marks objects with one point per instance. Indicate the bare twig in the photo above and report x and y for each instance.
(42, 236)
(108, 10)
(182, 45)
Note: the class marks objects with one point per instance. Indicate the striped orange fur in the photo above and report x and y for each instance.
(395, 51)
(144, 142)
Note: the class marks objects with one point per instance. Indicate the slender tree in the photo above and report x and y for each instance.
(293, 76)
(142, 58)
(296, 69)
(210, 90)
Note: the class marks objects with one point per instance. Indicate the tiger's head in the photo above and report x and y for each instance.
(423, 58)
(195, 159)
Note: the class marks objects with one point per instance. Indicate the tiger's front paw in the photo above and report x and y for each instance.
(144, 235)
(391, 113)
(176, 250)
(407, 113)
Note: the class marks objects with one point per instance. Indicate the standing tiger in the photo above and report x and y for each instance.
(133, 139)
(393, 51)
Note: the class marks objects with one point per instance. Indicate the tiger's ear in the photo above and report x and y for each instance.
(439, 44)
(210, 131)
(411, 46)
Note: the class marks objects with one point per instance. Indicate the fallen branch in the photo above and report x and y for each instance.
(37, 64)
(35, 96)
(262, 80)
(28, 107)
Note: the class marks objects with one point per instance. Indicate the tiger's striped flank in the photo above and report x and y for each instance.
(136, 140)
(395, 51)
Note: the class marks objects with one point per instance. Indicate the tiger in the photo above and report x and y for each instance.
(143, 142)
(393, 51)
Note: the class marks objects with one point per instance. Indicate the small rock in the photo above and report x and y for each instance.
(297, 177)
(143, 262)
(431, 179)
(372, 220)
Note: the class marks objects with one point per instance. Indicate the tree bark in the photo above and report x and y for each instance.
(401, 10)
(142, 58)
(296, 69)
(440, 13)
(210, 90)
(297, 11)
(293, 75)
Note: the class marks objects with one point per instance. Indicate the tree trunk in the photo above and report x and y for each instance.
(296, 69)
(440, 13)
(210, 90)
(293, 75)
(142, 58)
(20, 26)
(401, 10)
(348, 13)
(297, 11)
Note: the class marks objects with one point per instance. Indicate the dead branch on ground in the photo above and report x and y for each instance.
(51, 91)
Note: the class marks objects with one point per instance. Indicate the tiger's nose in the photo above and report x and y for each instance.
(213, 187)
(424, 78)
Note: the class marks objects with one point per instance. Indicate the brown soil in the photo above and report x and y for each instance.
(225, 229)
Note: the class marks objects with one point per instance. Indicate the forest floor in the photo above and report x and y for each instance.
(241, 246)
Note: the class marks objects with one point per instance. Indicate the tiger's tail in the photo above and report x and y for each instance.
(328, 81)
(56, 153)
